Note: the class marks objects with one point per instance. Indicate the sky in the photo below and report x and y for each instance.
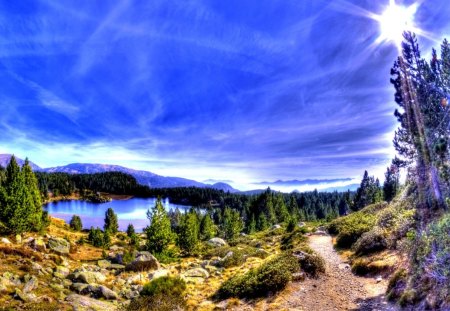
(247, 91)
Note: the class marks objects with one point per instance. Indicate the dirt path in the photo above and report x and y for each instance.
(338, 289)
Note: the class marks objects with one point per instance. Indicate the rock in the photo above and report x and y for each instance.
(320, 232)
(138, 278)
(115, 266)
(5, 241)
(378, 279)
(144, 261)
(114, 248)
(59, 245)
(301, 224)
(158, 274)
(216, 242)
(18, 239)
(89, 277)
(30, 285)
(38, 244)
(24, 296)
(63, 271)
(83, 303)
(276, 227)
(35, 266)
(106, 293)
(104, 264)
(298, 276)
(196, 273)
(78, 287)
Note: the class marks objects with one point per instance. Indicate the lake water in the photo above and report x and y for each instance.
(93, 214)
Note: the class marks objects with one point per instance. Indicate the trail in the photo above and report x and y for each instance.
(339, 289)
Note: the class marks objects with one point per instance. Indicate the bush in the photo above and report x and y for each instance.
(75, 223)
(157, 302)
(166, 285)
(371, 242)
(364, 267)
(312, 264)
(168, 256)
(350, 228)
(233, 259)
(271, 276)
(292, 239)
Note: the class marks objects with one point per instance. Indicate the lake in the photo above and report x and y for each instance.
(133, 211)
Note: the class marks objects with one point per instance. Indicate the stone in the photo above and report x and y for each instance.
(107, 293)
(216, 242)
(22, 296)
(104, 264)
(143, 261)
(61, 270)
(30, 285)
(83, 303)
(59, 245)
(38, 244)
(116, 266)
(89, 277)
(158, 274)
(35, 266)
(78, 287)
(5, 241)
(298, 276)
(196, 273)
(378, 279)
(18, 239)
(276, 227)
(301, 224)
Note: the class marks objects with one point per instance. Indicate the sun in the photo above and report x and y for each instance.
(395, 20)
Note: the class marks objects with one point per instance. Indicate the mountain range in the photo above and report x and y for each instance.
(157, 181)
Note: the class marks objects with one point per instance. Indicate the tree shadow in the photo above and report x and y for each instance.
(377, 303)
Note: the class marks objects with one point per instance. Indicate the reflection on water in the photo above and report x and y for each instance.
(92, 214)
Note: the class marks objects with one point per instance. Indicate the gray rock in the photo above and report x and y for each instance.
(104, 264)
(5, 241)
(30, 285)
(301, 224)
(59, 245)
(298, 276)
(106, 293)
(24, 296)
(158, 274)
(78, 287)
(196, 273)
(61, 270)
(276, 227)
(83, 303)
(144, 261)
(116, 266)
(216, 242)
(38, 244)
(88, 277)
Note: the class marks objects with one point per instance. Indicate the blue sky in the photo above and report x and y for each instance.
(240, 90)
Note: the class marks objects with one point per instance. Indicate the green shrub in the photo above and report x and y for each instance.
(311, 263)
(128, 257)
(350, 228)
(238, 256)
(371, 242)
(233, 258)
(292, 239)
(364, 266)
(166, 285)
(271, 276)
(75, 223)
(168, 256)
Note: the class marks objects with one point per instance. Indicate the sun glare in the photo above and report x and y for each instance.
(395, 20)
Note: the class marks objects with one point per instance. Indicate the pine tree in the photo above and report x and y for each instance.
(189, 230)
(391, 183)
(159, 233)
(280, 207)
(251, 228)
(111, 222)
(130, 230)
(75, 223)
(232, 224)
(262, 223)
(208, 229)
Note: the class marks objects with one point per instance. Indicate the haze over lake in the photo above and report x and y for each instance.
(93, 214)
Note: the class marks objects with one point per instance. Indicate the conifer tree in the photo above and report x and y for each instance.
(391, 183)
(111, 222)
(232, 223)
(130, 230)
(75, 223)
(208, 229)
(159, 233)
(31, 185)
(262, 223)
(189, 230)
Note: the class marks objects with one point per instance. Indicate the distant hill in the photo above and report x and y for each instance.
(296, 182)
(143, 177)
(224, 186)
(351, 187)
(5, 158)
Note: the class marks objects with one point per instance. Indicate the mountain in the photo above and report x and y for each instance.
(351, 187)
(296, 182)
(143, 177)
(5, 158)
(224, 186)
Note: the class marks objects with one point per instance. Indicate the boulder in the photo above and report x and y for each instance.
(61, 272)
(88, 277)
(144, 261)
(59, 245)
(25, 297)
(276, 226)
(83, 303)
(196, 273)
(78, 287)
(104, 264)
(216, 242)
(38, 244)
(301, 224)
(158, 274)
(30, 285)
(5, 241)
(106, 293)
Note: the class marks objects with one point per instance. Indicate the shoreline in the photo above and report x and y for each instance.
(76, 197)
